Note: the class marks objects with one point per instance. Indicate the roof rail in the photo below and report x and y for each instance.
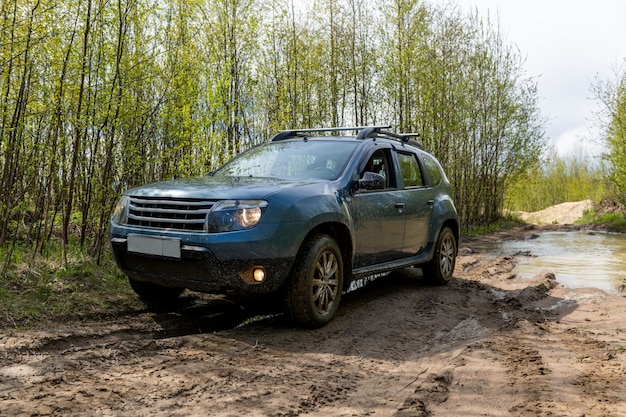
(292, 133)
(364, 132)
(376, 132)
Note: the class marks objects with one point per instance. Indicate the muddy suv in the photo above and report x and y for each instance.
(300, 216)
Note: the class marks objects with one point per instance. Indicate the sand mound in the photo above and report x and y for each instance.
(565, 213)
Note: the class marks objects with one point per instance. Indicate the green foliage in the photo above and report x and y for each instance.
(615, 101)
(611, 94)
(482, 118)
(558, 179)
(503, 223)
(614, 220)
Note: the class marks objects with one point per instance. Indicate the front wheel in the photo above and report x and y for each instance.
(440, 269)
(314, 290)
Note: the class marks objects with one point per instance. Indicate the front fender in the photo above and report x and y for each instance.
(319, 210)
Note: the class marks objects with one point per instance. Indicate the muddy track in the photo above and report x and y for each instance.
(487, 344)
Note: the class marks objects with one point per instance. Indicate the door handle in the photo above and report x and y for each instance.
(431, 202)
(400, 206)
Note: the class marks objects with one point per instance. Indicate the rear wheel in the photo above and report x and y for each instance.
(314, 290)
(440, 269)
(156, 297)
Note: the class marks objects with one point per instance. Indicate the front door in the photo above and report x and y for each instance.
(378, 216)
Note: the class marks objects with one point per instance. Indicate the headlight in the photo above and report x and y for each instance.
(120, 213)
(231, 215)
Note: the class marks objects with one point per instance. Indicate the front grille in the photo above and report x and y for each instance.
(165, 213)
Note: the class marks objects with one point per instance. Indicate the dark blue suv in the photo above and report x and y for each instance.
(300, 216)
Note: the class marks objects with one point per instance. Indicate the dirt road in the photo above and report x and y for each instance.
(487, 344)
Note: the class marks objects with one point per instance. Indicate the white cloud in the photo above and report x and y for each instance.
(578, 141)
(566, 44)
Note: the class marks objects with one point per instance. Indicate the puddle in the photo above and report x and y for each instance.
(578, 259)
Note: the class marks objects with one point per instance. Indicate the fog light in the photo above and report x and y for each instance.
(258, 274)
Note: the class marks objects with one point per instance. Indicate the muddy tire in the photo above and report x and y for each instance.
(440, 269)
(156, 297)
(314, 290)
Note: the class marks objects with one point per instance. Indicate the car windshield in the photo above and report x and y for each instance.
(320, 159)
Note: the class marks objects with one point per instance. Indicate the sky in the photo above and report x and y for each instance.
(568, 45)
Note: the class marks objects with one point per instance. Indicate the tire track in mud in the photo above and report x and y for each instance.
(494, 311)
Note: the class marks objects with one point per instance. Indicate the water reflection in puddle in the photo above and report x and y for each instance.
(578, 259)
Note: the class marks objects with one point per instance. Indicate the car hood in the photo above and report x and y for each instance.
(216, 188)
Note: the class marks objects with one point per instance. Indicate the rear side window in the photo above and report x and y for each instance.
(433, 169)
(410, 168)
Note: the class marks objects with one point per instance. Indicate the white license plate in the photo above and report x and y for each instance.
(151, 245)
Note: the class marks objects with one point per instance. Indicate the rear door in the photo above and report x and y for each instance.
(419, 202)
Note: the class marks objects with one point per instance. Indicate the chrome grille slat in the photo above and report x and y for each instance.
(152, 219)
(171, 202)
(171, 214)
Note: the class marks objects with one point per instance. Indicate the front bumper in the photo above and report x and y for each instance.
(223, 267)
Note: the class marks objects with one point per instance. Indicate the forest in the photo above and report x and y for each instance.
(97, 96)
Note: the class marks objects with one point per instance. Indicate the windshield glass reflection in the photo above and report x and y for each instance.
(291, 160)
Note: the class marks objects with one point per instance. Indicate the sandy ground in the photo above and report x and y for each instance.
(487, 344)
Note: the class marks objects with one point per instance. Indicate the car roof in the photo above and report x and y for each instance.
(361, 132)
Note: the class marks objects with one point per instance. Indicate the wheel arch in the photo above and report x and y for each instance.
(341, 233)
(453, 224)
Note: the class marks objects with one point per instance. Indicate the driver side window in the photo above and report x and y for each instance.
(378, 163)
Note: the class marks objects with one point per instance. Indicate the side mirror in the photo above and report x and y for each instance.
(372, 181)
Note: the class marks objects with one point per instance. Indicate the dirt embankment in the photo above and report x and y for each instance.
(487, 344)
(564, 213)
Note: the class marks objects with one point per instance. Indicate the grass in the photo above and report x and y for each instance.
(504, 223)
(612, 221)
(37, 290)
